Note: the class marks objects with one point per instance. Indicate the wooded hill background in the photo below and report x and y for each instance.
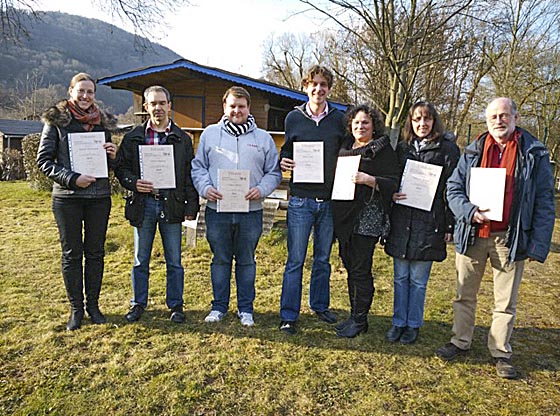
(58, 46)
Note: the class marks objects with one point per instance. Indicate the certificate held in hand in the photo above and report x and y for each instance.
(486, 191)
(87, 155)
(233, 184)
(343, 187)
(419, 183)
(157, 165)
(308, 159)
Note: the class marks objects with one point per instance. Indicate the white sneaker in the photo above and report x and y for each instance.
(246, 318)
(214, 316)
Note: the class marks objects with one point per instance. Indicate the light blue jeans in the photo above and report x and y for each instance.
(305, 214)
(143, 240)
(233, 235)
(410, 282)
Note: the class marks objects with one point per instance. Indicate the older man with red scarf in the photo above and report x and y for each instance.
(525, 231)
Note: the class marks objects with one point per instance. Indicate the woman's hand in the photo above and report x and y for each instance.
(362, 178)
(398, 196)
(111, 150)
(84, 181)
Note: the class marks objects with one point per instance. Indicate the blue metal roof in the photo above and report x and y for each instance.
(218, 73)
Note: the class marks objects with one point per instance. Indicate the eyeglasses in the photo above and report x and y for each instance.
(87, 92)
(496, 117)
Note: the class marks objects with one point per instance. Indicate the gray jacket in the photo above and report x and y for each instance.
(254, 151)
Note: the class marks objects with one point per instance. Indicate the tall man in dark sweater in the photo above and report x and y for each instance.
(309, 205)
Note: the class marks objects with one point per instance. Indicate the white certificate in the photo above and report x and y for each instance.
(486, 190)
(343, 187)
(233, 185)
(87, 155)
(308, 159)
(419, 182)
(157, 165)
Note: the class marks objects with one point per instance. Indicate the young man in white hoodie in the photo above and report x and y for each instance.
(235, 143)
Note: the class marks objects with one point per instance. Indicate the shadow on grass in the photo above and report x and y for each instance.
(536, 348)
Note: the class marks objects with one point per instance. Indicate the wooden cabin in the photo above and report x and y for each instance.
(197, 92)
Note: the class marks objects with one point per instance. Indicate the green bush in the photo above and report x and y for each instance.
(11, 165)
(37, 180)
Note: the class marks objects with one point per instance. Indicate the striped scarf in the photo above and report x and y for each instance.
(88, 118)
(238, 129)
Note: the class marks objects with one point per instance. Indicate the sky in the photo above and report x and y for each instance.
(227, 34)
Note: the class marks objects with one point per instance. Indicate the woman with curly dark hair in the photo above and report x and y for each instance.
(81, 203)
(376, 180)
(418, 237)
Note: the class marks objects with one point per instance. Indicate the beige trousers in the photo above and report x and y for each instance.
(507, 279)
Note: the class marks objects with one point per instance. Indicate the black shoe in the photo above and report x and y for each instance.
(394, 333)
(135, 313)
(450, 351)
(340, 326)
(327, 316)
(95, 315)
(288, 327)
(353, 329)
(505, 369)
(75, 320)
(177, 315)
(409, 335)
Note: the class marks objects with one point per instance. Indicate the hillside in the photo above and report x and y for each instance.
(59, 45)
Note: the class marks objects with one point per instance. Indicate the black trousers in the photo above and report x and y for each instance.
(357, 257)
(82, 226)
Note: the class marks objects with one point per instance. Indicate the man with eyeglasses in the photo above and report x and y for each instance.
(525, 231)
(148, 208)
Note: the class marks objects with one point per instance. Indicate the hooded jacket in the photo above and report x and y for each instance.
(531, 218)
(254, 150)
(53, 155)
(178, 203)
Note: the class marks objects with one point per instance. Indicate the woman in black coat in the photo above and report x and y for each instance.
(418, 237)
(376, 181)
(81, 202)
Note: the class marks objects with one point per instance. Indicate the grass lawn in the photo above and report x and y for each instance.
(161, 368)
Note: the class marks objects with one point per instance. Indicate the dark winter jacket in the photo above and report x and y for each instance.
(53, 157)
(300, 127)
(179, 202)
(384, 166)
(531, 219)
(417, 234)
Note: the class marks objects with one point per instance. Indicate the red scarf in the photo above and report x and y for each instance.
(491, 159)
(88, 118)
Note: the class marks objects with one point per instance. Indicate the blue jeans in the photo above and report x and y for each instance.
(233, 235)
(411, 280)
(171, 235)
(305, 214)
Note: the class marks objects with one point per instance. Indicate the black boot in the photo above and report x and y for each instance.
(75, 321)
(74, 291)
(358, 324)
(93, 288)
(344, 324)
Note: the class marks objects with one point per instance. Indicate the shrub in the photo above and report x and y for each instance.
(37, 180)
(11, 165)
